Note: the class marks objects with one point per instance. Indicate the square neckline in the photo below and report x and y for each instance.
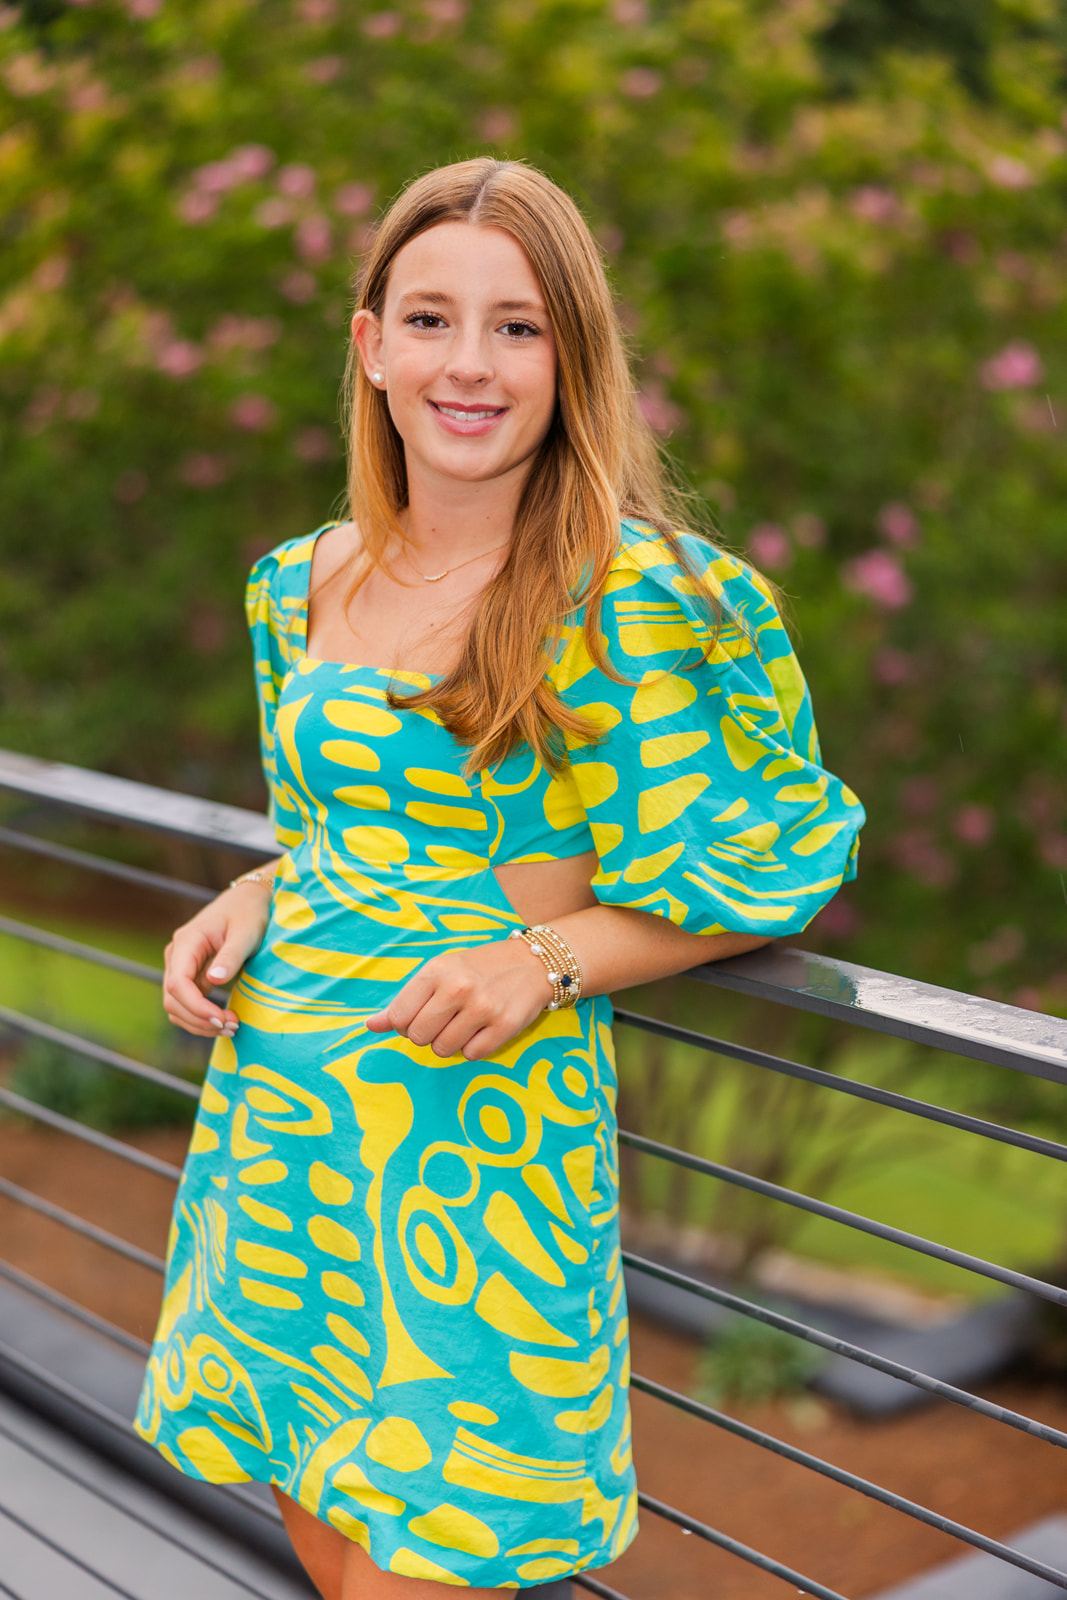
(327, 661)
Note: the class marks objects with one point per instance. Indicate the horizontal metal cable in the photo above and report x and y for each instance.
(71, 1308)
(873, 1491)
(68, 1555)
(850, 1219)
(88, 1230)
(832, 1080)
(17, 840)
(96, 1052)
(127, 1511)
(39, 1375)
(594, 1585)
(79, 1130)
(83, 952)
(755, 1558)
(842, 1347)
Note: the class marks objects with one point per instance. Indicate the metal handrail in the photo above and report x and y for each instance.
(923, 1013)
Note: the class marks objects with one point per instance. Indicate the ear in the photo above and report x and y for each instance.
(367, 337)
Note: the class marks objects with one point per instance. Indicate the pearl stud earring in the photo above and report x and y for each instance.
(378, 376)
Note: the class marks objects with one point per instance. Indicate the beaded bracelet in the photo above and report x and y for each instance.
(254, 877)
(559, 961)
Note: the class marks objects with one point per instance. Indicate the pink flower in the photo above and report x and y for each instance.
(297, 181)
(317, 10)
(202, 471)
(232, 332)
(1052, 848)
(353, 199)
(898, 523)
(314, 239)
(629, 13)
(214, 177)
(382, 24)
(640, 83)
(197, 207)
(1007, 172)
(769, 546)
(253, 412)
(179, 359)
(974, 824)
(324, 69)
(892, 667)
(872, 204)
(299, 286)
(880, 577)
(250, 162)
(52, 273)
(661, 414)
(497, 125)
(314, 444)
(273, 213)
(445, 11)
(143, 10)
(1017, 366)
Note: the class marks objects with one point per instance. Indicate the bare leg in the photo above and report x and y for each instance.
(364, 1581)
(342, 1570)
(321, 1548)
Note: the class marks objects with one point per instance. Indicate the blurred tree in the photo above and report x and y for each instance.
(848, 313)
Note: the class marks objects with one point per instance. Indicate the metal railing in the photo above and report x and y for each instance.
(967, 1025)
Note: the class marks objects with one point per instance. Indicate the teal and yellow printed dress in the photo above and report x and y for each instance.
(394, 1287)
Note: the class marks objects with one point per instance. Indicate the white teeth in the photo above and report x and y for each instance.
(465, 416)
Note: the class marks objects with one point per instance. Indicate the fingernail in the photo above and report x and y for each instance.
(228, 1033)
(216, 1022)
(217, 972)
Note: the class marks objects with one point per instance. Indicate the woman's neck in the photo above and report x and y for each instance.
(446, 520)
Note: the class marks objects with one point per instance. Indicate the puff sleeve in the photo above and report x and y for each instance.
(706, 796)
(268, 624)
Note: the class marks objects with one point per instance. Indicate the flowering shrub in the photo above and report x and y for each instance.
(845, 288)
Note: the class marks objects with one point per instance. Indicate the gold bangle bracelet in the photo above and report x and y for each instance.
(559, 961)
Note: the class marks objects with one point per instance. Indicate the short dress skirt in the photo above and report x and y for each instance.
(394, 1286)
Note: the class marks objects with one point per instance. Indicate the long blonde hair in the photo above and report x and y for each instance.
(598, 463)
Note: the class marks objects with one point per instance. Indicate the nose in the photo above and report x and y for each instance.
(468, 363)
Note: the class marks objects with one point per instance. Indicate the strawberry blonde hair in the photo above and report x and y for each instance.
(597, 464)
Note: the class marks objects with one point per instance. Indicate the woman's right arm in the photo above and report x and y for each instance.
(210, 949)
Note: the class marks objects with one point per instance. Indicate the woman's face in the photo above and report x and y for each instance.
(467, 354)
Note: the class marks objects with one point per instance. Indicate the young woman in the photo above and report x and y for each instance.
(525, 745)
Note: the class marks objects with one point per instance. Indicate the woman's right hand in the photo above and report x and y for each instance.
(209, 950)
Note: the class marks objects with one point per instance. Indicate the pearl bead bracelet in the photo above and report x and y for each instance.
(559, 961)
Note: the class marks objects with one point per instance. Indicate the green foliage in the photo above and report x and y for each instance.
(748, 1362)
(845, 288)
(93, 1094)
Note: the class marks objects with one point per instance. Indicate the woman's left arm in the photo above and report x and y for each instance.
(471, 1002)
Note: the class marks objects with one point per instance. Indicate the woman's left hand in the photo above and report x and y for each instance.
(469, 1002)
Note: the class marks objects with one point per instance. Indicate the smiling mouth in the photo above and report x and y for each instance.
(468, 413)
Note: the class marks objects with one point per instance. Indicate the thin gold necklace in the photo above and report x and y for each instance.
(435, 577)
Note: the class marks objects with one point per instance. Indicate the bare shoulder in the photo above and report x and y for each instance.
(334, 551)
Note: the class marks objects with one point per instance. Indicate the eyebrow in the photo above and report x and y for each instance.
(437, 297)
